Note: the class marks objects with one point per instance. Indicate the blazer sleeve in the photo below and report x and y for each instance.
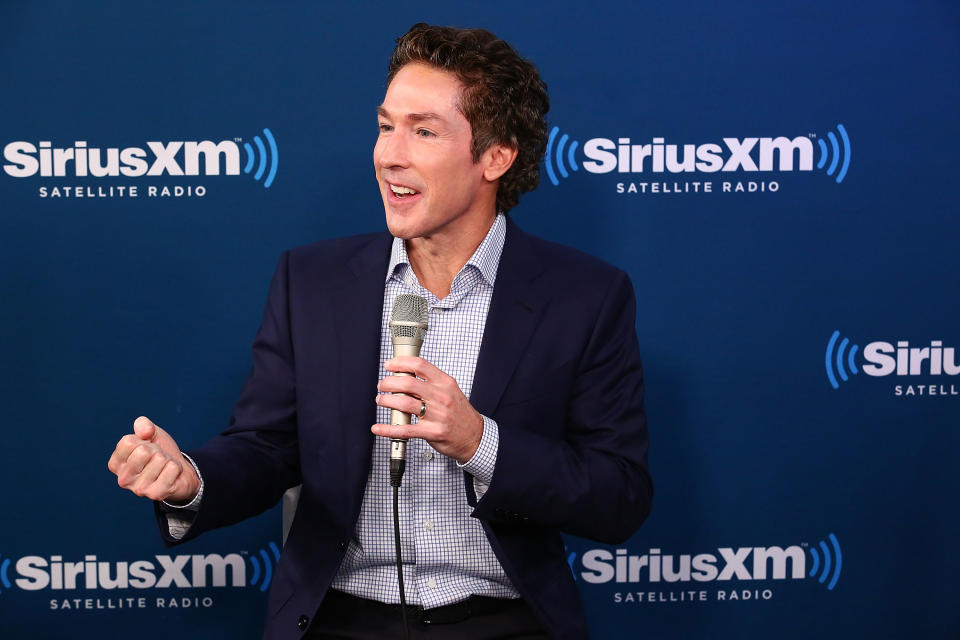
(593, 481)
(247, 468)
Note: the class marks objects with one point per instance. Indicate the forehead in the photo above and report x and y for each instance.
(418, 88)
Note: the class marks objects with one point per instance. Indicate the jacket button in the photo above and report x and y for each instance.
(342, 546)
(302, 622)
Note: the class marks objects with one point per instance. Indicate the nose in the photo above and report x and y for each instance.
(391, 151)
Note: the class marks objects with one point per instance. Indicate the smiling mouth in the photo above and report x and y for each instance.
(402, 192)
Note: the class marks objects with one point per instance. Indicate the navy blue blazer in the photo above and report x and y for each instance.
(559, 370)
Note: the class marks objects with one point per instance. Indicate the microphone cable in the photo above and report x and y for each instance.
(396, 540)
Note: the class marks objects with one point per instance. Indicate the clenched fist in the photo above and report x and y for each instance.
(148, 462)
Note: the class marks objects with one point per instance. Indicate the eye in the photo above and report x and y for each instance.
(424, 133)
(384, 127)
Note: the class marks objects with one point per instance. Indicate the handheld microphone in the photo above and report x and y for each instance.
(408, 326)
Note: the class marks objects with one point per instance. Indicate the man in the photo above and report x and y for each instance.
(528, 391)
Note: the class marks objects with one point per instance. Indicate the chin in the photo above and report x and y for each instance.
(398, 229)
(403, 225)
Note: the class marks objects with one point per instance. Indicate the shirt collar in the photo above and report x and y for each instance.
(486, 259)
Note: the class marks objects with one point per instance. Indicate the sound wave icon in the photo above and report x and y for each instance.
(4, 566)
(268, 565)
(834, 359)
(558, 153)
(260, 157)
(834, 154)
(832, 563)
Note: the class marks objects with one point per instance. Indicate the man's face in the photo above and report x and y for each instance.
(424, 147)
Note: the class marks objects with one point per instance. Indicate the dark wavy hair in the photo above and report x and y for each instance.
(503, 97)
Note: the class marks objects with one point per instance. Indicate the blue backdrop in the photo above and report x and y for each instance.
(778, 180)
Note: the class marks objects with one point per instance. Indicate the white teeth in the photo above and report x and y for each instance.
(401, 190)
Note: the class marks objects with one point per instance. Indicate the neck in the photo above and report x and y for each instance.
(437, 261)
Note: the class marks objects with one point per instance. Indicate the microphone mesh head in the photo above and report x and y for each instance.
(409, 317)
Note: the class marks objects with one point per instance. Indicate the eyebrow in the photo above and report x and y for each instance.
(413, 117)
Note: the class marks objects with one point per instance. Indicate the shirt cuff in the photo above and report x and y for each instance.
(484, 461)
(193, 505)
(180, 516)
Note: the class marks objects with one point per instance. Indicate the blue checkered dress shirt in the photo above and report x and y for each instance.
(446, 555)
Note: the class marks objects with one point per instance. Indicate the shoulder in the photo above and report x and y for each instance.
(562, 263)
(331, 256)
(340, 248)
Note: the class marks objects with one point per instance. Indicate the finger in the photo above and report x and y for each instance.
(144, 428)
(129, 471)
(163, 487)
(399, 402)
(404, 384)
(149, 473)
(404, 431)
(140, 456)
(417, 366)
(125, 447)
(117, 458)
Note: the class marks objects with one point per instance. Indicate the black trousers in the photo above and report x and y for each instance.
(346, 617)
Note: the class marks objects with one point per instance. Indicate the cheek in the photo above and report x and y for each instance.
(451, 178)
(458, 183)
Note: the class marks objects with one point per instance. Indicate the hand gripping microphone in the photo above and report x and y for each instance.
(408, 326)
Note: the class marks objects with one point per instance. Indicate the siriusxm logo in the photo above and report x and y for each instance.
(4, 577)
(35, 573)
(604, 155)
(600, 566)
(884, 358)
(176, 158)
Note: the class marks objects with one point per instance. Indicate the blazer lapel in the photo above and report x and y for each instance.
(358, 303)
(514, 313)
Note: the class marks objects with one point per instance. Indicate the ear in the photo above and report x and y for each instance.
(497, 159)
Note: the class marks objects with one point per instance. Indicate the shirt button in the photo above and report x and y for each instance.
(428, 525)
(432, 583)
(428, 455)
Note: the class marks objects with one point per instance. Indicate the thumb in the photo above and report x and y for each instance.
(144, 428)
